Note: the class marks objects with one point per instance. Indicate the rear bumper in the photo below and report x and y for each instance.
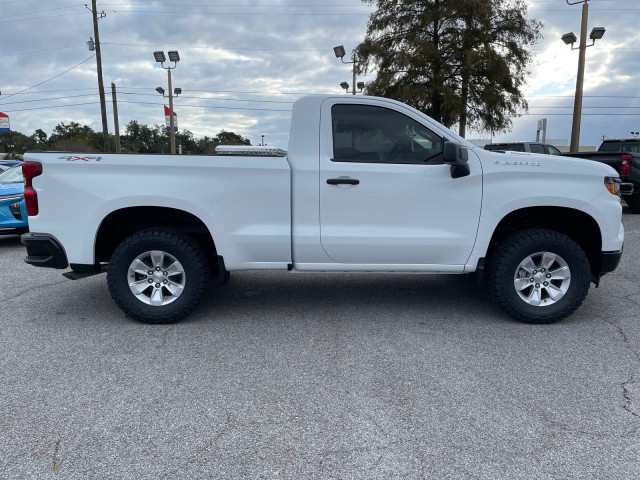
(43, 250)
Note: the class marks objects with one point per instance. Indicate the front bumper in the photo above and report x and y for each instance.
(609, 261)
(43, 250)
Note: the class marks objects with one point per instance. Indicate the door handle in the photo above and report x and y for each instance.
(343, 181)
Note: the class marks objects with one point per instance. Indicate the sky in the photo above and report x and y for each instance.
(244, 62)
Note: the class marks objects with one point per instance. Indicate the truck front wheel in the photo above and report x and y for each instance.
(158, 275)
(539, 275)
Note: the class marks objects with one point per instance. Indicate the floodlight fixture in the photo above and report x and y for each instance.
(177, 91)
(160, 90)
(159, 56)
(174, 56)
(339, 51)
(569, 38)
(344, 85)
(597, 33)
(360, 86)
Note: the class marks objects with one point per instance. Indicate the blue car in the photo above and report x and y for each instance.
(7, 164)
(13, 212)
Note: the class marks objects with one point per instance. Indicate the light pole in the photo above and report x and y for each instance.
(175, 58)
(340, 53)
(570, 39)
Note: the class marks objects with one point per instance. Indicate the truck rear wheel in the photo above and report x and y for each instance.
(158, 275)
(539, 276)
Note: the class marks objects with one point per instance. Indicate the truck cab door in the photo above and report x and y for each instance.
(386, 197)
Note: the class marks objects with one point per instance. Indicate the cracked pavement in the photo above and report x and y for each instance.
(282, 375)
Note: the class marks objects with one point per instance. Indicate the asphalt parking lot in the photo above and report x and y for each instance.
(282, 375)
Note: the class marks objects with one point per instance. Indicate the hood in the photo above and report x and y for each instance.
(552, 163)
(16, 188)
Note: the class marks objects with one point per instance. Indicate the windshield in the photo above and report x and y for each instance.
(512, 147)
(632, 147)
(13, 175)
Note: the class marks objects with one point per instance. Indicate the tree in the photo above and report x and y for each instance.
(75, 137)
(15, 144)
(230, 138)
(141, 138)
(208, 145)
(41, 139)
(459, 61)
(138, 138)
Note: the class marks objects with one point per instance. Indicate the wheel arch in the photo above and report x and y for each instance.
(576, 224)
(124, 222)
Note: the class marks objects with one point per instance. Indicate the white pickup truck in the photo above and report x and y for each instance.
(367, 185)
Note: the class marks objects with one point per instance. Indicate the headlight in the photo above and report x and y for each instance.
(613, 185)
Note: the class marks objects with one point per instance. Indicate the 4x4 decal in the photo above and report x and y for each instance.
(83, 158)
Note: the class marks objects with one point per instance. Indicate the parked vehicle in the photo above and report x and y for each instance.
(13, 214)
(531, 147)
(368, 185)
(7, 164)
(624, 156)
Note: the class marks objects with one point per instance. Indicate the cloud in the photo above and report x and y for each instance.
(244, 63)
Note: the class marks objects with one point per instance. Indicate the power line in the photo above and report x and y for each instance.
(214, 107)
(312, 14)
(50, 99)
(48, 80)
(210, 98)
(228, 91)
(191, 47)
(41, 18)
(52, 106)
(53, 91)
(264, 5)
(149, 103)
(38, 51)
(42, 11)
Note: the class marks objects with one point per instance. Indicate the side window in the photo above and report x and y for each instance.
(536, 148)
(369, 134)
(553, 150)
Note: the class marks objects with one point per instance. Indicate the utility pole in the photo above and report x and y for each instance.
(116, 125)
(569, 39)
(103, 105)
(577, 104)
(172, 133)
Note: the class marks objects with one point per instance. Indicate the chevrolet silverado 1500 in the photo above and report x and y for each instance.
(367, 185)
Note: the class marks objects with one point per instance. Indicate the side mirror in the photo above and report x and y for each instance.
(457, 156)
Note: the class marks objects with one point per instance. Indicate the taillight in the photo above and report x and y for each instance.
(625, 164)
(29, 171)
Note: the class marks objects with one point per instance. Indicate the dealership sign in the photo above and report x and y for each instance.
(167, 120)
(4, 123)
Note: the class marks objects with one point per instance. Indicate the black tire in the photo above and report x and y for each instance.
(505, 273)
(633, 202)
(192, 275)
